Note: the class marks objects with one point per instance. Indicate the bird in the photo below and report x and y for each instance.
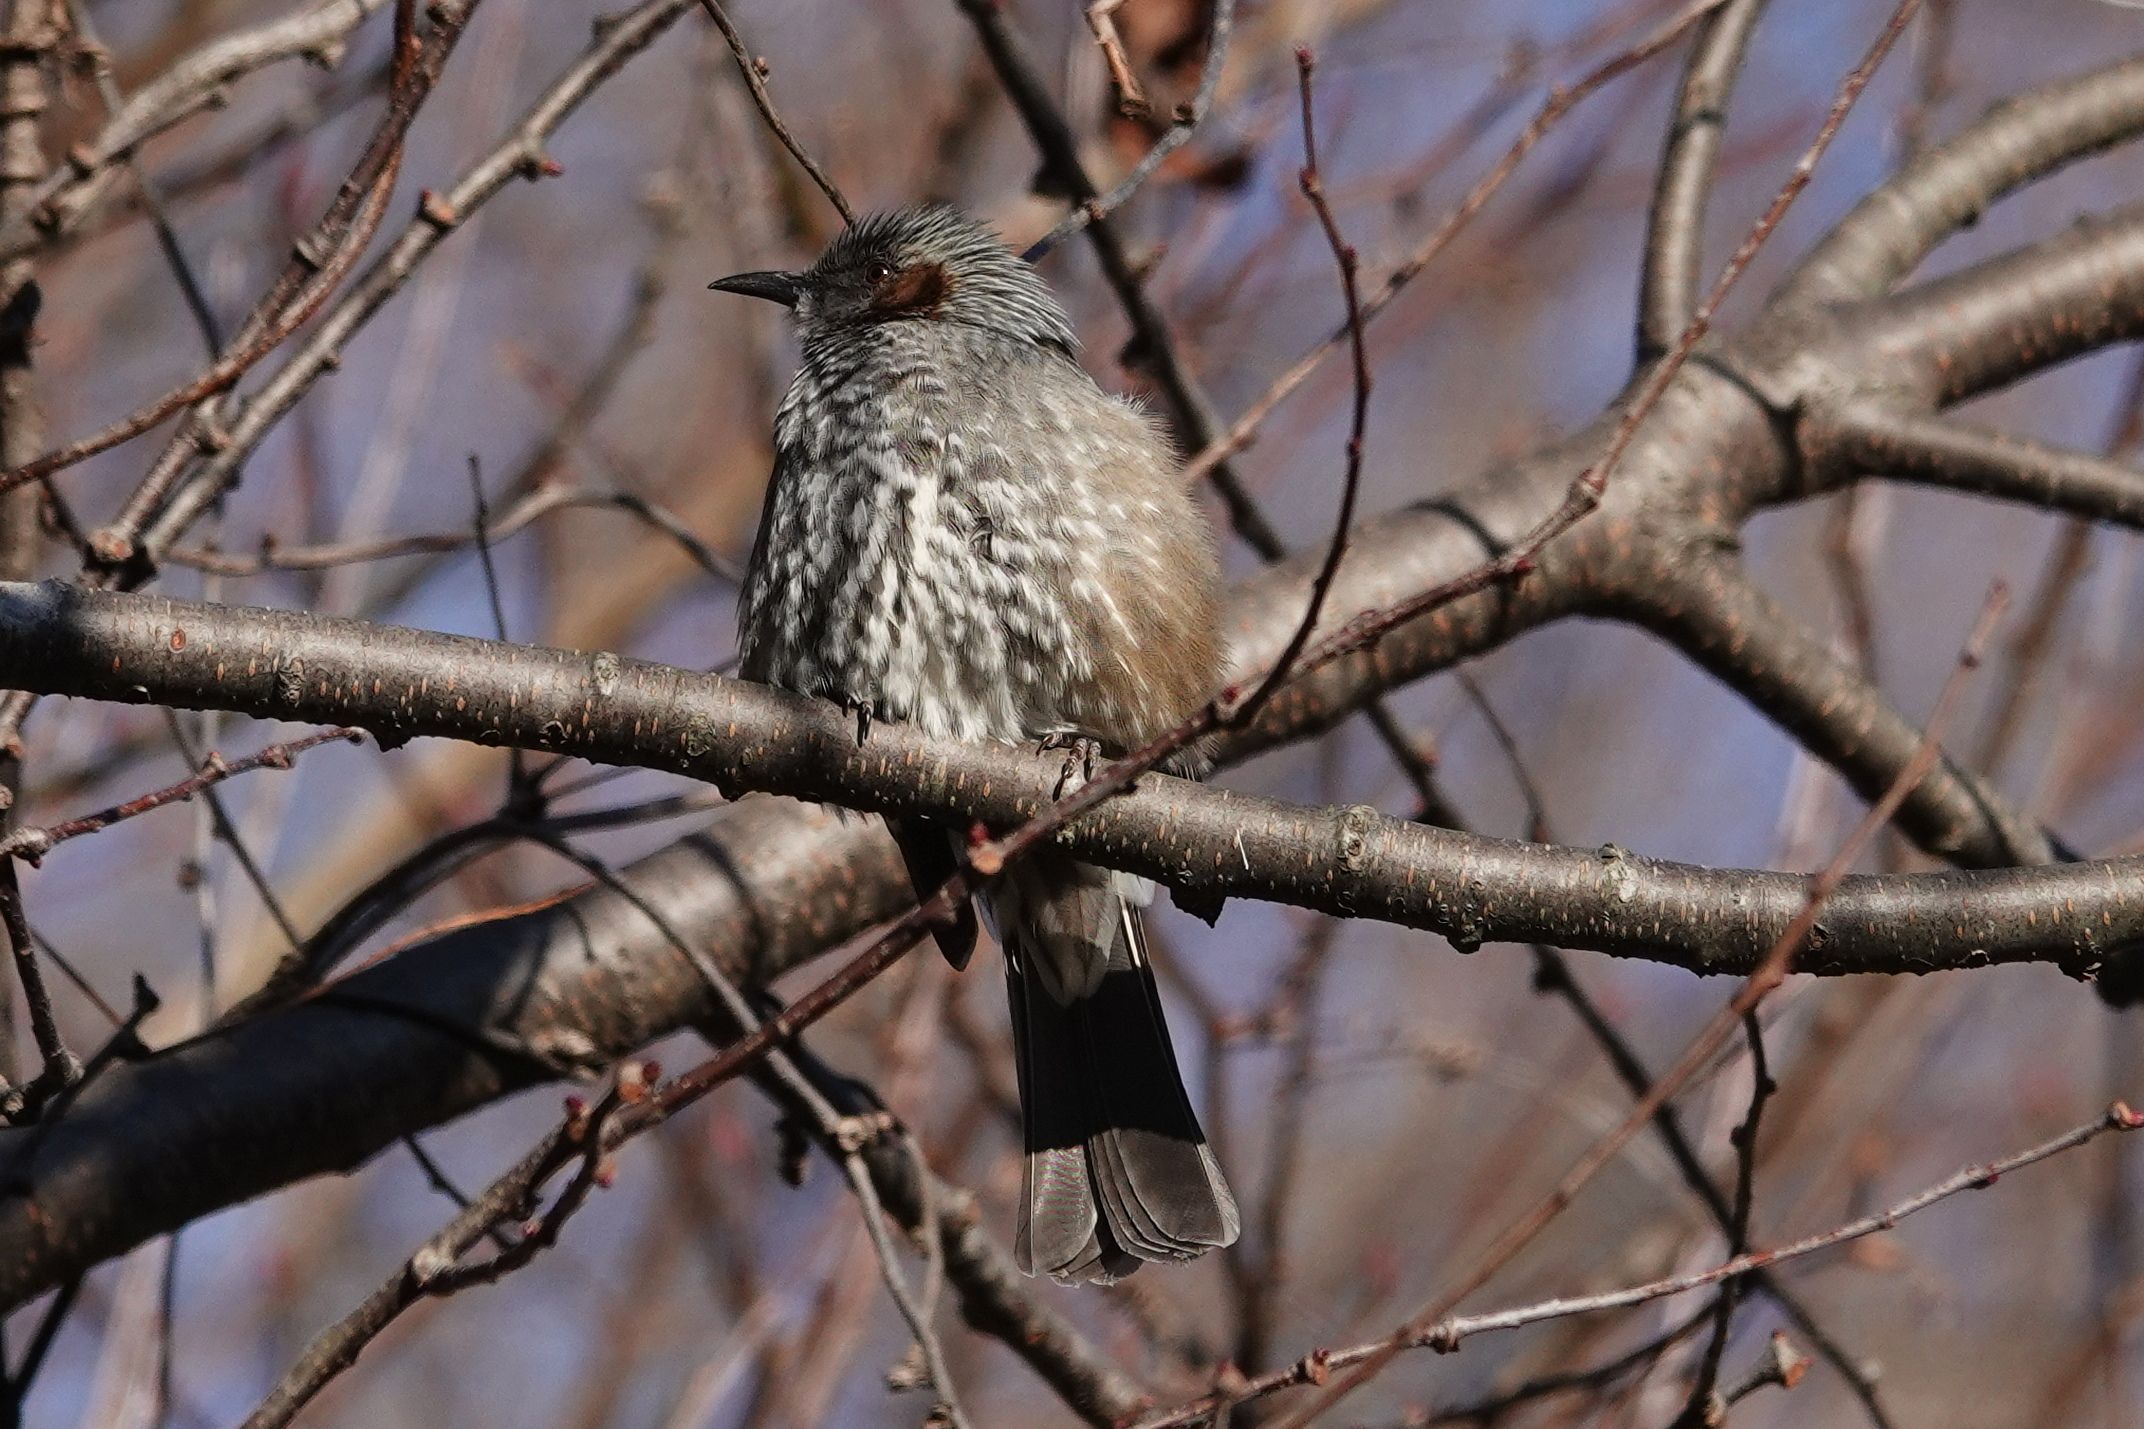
(965, 533)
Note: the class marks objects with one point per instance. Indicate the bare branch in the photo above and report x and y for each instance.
(1780, 1364)
(754, 71)
(537, 504)
(2020, 140)
(447, 1024)
(1900, 445)
(1447, 1333)
(1101, 18)
(2003, 320)
(1698, 1410)
(481, 1010)
(1182, 123)
(1312, 184)
(740, 736)
(31, 845)
(1560, 101)
(1770, 972)
(1711, 611)
(994, 1298)
(194, 82)
(61, 1069)
(1675, 235)
(519, 154)
(318, 262)
(1151, 348)
(1588, 487)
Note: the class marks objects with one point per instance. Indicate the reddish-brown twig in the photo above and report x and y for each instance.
(1313, 186)
(754, 71)
(311, 275)
(31, 845)
(1768, 975)
(1445, 1334)
(1560, 101)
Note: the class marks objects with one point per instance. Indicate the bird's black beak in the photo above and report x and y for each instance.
(780, 288)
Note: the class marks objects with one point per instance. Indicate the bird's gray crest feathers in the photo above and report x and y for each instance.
(955, 270)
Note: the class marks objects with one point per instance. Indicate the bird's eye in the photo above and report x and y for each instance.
(877, 271)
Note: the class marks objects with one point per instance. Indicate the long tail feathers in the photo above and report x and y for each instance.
(1118, 1171)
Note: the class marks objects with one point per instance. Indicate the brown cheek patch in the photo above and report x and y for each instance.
(921, 289)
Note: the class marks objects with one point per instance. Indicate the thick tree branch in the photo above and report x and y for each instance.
(442, 1027)
(455, 1021)
(1900, 445)
(1948, 188)
(1675, 235)
(738, 736)
(2011, 317)
(460, 1019)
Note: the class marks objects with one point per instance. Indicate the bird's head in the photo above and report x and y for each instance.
(930, 264)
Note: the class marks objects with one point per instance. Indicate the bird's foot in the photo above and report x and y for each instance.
(1080, 753)
(865, 712)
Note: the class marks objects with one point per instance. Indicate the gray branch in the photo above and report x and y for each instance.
(1213, 843)
(1901, 445)
(1948, 188)
(1712, 612)
(1675, 230)
(2012, 317)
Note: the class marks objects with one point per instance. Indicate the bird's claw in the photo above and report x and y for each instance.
(1080, 753)
(865, 711)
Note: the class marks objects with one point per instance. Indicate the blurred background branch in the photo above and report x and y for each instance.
(1685, 684)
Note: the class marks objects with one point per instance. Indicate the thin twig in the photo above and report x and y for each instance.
(518, 786)
(1313, 186)
(1493, 1409)
(586, 1139)
(1102, 19)
(1584, 495)
(1186, 119)
(1445, 1334)
(1553, 974)
(541, 502)
(1560, 101)
(152, 204)
(1779, 1364)
(754, 71)
(517, 154)
(195, 81)
(62, 1069)
(914, 1312)
(311, 276)
(225, 829)
(31, 845)
(1698, 1410)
